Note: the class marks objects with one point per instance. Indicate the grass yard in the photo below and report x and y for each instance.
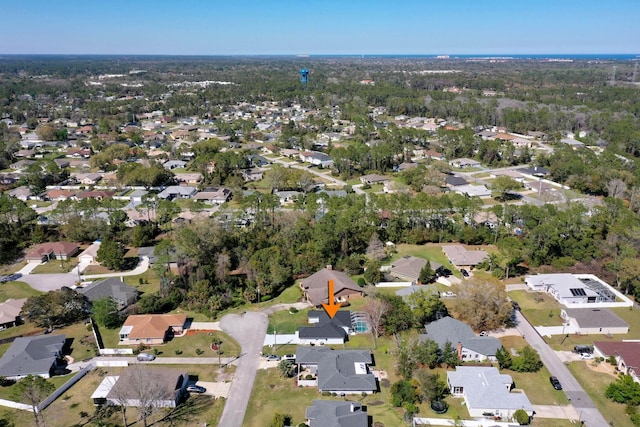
(430, 251)
(76, 408)
(539, 308)
(56, 266)
(285, 322)
(594, 383)
(16, 290)
(150, 282)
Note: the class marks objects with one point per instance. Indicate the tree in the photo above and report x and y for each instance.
(375, 250)
(502, 185)
(399, 317)
(403, 392)
(111, 254)
(427, 275)
(449, 355)
(372, 273)
(426, 307)
(624, 390)
(105, 312)
(287, 368)
(55, 308)
(375, 311)
(280, 420)
(34, 389)
(521, 417)
(504, 358)
(430, 386)
(528, 360)
(482, 304)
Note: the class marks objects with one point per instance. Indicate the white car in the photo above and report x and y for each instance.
(586, 356)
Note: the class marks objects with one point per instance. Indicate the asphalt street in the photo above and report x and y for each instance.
(582, 403)
(249, 330)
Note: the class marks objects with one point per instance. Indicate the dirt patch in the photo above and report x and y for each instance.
(192, 332)
(603, 367)
(385, 383)
(375, 403)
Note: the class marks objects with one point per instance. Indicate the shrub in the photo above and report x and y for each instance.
(521, 417)
(178, 352)
(293, 310)
(308, 377)
(361, 282)
(199, 352)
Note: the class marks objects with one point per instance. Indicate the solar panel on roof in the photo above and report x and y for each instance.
(578, 292)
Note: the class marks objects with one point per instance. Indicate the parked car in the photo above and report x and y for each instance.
(555, 383)
(145, 357)
(583, 349)
(483, 333)
(464, 272)
(196, 389)
(272, 358)
(289, 357)
(515, 305)
(586, 356)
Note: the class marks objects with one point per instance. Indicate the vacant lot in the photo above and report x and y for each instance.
(539, 308)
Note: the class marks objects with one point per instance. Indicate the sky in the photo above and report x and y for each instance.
(320, 27)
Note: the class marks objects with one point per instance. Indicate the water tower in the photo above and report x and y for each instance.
(304, 77)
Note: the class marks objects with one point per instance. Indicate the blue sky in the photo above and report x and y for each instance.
(247, 27)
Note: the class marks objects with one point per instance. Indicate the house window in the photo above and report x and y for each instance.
(458, 390)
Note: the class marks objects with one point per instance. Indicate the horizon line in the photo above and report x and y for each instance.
(495, 54)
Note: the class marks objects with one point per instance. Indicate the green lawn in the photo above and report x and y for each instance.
(594, 383)
(539, 308)
(56, 266)
(16, 290)
(285, 322)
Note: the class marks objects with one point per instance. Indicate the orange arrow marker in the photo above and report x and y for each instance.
(331, 308)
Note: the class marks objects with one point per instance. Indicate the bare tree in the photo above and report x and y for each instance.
(375, 310)
(375, 250)
(482, 303)
(34, 389)
(616, 188)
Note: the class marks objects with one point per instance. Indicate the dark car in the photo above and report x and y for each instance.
(555, 383)
(196, 389)
(515, 305)
(583, 349)
(464, 272)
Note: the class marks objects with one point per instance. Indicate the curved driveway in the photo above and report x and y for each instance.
(249, 330)
(574, 391)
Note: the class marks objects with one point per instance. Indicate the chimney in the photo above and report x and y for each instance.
(329, 267)
(459, 350)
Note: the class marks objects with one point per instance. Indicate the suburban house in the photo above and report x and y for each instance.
(570, 289)
(316, 158)
(10, 312)
(44, 252)
(373, 179)
(626, 353)
(151, 328)
(174, 164)
(112, 287)
(594, 321)
(168, 387)
(487, 392)
(213, 195)
(89, 255)
(327, 413)
(336, 371)
(461, 257)
(288, 197)
(472, 190)
(326, 330)
(452, 181)
(253, 174)
(408, 268)
(32, 356)
(468, 345)
(177, 192)
(464, 162)
(316, 288)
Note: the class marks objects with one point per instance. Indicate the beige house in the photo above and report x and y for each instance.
(316, 287)
(151, 329)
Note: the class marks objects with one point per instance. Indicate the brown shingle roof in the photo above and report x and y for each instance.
(153, 325)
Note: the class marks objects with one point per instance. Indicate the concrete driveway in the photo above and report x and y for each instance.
(249, 330)
(49, 282)
(581, 402)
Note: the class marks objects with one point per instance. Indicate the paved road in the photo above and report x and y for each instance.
(323, 173)
(582, 403)
(249, 330)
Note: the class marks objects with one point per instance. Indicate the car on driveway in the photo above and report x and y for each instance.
(515, 305)
(586, 356)
(145, 357)
(196, 389)
(464, 272)
(555, 383)
(272, 358)
(291, 357)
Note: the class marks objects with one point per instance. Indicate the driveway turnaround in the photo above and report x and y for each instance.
(249, 330)
(582, 403)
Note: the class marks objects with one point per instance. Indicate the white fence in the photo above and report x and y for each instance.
(115, 351)
(16, 405)
(466, 423)
(394, 284)
(111, 363)
(53, 396)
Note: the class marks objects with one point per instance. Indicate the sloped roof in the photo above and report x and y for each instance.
(339, 370)
(152, 325)
(410, 266)
(317, 288)
(595, 318)
(55, 248)
(455, 331)
(342, 318)
(31, 355)
(10, 309)
(459, 255)
(629, 351)
(326, 331)
(485, 387)
(112, 287)
(326, 413)
(168, 380)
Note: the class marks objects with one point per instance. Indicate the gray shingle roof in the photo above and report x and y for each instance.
(326, 413)
(596, 318)
(342, 317)
(112, 287)
(410, 267)
(326, 330)
(339, 370)
(455, 331)
(31, 355)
